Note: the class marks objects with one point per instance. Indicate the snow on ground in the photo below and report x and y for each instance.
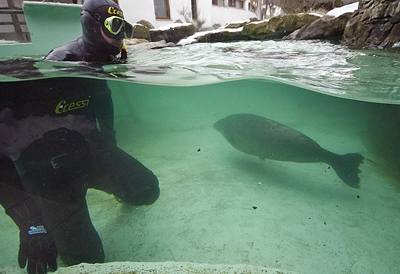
(193, 39)
(174, 25)
(342, 10)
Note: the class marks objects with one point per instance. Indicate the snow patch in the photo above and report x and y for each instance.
(342, 10)
(259, 22)
(316, 14)
(172, 26)
(193, 39)
(238, 22)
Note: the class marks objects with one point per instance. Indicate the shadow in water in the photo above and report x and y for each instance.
(20, 68)
(309, 185)
(382, 139)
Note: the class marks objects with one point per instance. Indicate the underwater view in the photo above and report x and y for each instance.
(276, 153)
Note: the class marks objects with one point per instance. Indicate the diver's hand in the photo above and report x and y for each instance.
(124, 54)
(37, 249)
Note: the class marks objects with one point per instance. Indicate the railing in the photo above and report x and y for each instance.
(61, 1)
(12, 21)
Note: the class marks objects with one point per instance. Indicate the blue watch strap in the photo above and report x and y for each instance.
(33, 230)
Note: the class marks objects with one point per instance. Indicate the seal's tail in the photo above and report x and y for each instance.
(347, 168)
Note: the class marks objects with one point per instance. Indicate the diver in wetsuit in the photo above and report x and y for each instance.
(57, 139)
(103, 30)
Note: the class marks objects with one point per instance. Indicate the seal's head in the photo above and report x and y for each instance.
(104, 27)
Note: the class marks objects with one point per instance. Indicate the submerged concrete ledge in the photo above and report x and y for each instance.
(167, 268)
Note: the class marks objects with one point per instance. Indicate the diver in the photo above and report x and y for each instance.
(57, 139)
(103, 30)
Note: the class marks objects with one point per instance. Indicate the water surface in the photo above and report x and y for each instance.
(319, 66)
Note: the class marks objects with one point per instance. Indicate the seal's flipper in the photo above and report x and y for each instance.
(347, 168)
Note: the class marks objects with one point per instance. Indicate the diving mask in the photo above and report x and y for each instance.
(118, 27)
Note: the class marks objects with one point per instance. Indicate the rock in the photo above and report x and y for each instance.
(145, 23)
(327, 5)
(277, 27)
(141, 32)
(326, 27)
(374, 25)
(222, 36)
(161, 44)
(172, 33)
(347, 2)
(148, 45)
(236, 25)
(134, 41)
(296, 6)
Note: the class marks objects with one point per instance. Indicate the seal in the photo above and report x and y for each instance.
(268, 139)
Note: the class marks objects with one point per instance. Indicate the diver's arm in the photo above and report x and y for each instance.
(36, 247)
(104, 112)
(11, 191)
(68, 52)
(59, 55)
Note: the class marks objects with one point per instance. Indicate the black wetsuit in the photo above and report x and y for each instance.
(29, 111)
(81, 50)
(57, 140)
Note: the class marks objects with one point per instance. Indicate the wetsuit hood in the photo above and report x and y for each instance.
(93, 14)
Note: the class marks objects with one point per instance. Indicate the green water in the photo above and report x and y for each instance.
(219, 205)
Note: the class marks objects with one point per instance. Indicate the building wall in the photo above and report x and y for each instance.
(136, 10)
(224, 15)
(204, 12)
(180, 7)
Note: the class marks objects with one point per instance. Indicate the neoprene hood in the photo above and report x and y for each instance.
(93, 14)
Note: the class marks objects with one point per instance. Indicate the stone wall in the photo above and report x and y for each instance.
(375, 25)
(293, 6)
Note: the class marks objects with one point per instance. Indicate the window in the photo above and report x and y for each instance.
(231, 3)
(161, 8)
(241, 4)
(218, 3)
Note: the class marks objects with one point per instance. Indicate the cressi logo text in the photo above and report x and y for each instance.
(114, 11)
(63, 106)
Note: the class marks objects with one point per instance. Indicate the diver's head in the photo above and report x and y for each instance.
(104, 27)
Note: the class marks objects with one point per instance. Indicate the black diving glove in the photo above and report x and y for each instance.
(37, 250)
